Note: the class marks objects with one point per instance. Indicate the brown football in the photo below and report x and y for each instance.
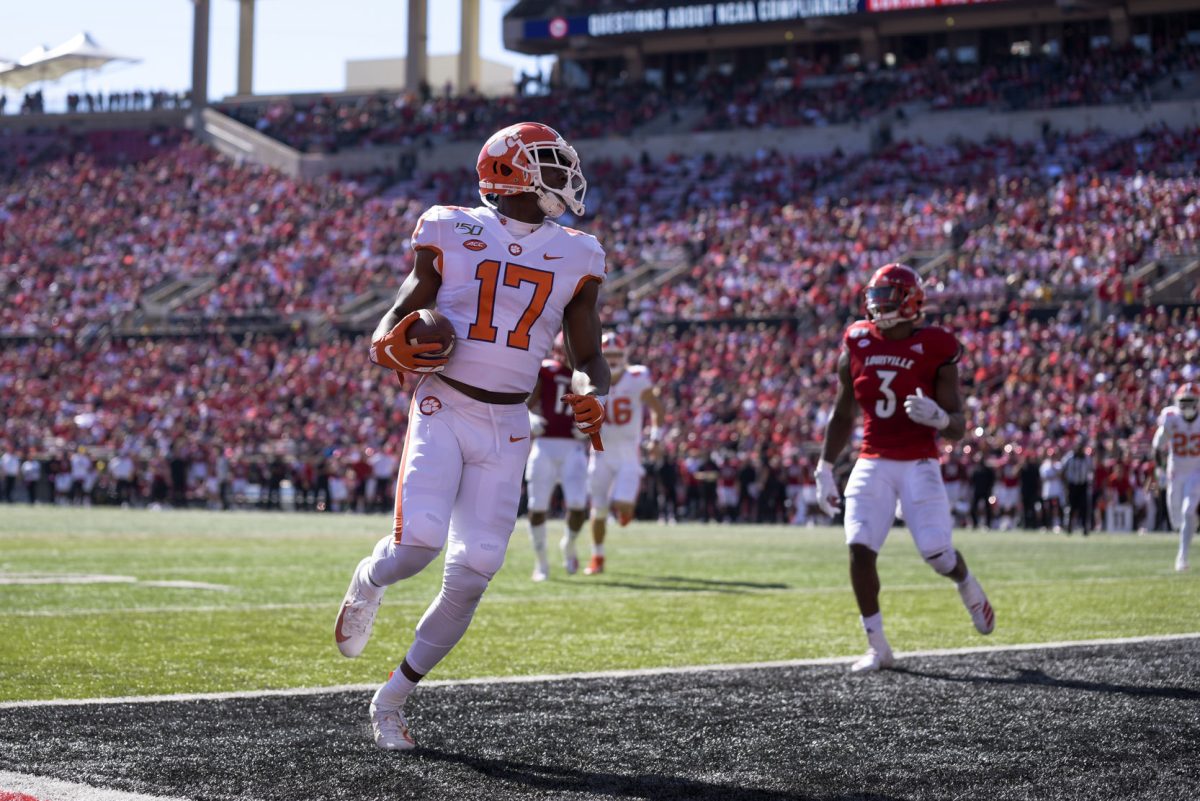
(432, 326)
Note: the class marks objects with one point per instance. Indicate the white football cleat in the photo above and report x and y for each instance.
(977, 604)
(390, 729)
(356, 617)
(570, 557)
(1181, 564)
(540, 573)
(875, 659)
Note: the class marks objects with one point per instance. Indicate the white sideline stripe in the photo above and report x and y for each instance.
(600, 674)
(556, 598)
(45, 789)
(22, 579)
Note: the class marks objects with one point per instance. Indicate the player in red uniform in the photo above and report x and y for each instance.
(905, 379)
(559, 456)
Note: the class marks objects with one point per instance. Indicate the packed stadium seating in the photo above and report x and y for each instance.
(788, 93)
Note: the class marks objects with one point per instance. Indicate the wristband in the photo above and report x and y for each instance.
(824, 465)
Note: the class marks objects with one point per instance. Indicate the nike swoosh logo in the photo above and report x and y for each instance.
(337, 632)
(388, 350)
(548, 257)
(511, 438)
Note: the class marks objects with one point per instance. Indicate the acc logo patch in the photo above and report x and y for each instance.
(430, 405)
(515, 249)
(864, 343)
(474, 244)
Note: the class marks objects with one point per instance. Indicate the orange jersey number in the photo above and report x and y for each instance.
(1185, 446)
(487, 273)
(621, 410)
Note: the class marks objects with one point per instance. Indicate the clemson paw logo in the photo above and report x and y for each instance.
(430, 405)
(501, 144)
(515, 249)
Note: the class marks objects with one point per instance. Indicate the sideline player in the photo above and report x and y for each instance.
(559, 457)
(905, 379)
(508, 279)
(614, 473)
(1178, 436)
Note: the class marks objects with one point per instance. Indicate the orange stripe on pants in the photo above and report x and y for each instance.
(398, 520)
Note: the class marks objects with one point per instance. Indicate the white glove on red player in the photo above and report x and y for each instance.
(828, 497)
(925, 411)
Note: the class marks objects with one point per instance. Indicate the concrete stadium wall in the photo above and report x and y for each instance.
(95, 121)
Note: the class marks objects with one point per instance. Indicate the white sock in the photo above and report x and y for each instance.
(597, 549)
(394, 692)
(1185, 540)
(369, 589)
(537, 535)
(873, 626)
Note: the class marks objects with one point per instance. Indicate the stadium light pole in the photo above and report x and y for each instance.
(416, 66)
(200, 22)
(468, 47)
(245, 75)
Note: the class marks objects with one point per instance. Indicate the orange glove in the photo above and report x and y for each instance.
(395, 352)
(589, 414)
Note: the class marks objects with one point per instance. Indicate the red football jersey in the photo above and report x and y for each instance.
(885, 372)
(554, 381)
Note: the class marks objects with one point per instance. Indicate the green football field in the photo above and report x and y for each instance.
(97, 603)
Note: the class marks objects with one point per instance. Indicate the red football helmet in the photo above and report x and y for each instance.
(894, 295)
(615, 349)
(1187, 398)
(512, 160)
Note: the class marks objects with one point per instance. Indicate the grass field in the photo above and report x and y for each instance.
(679, 595)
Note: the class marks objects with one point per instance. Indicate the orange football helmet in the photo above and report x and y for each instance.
(512, 162)
(894, 295)
(1187, 398)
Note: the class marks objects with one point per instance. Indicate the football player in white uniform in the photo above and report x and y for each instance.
(614, 473)
(508, 279)
(1178, 438)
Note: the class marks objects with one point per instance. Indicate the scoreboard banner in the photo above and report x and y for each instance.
(690, 16)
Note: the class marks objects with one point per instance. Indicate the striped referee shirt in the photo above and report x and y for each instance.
(1077, 469)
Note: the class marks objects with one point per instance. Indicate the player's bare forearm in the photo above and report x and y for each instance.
(581, 335)
(841, 422)
(947, 396)
(658, 412)
(419, 291)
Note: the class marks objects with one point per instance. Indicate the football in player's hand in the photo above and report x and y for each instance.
(432, 326)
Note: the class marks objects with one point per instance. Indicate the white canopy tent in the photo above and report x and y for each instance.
(80, 52)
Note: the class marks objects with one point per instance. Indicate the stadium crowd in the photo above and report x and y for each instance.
(786, 93)
(238, 419)
(766, 236)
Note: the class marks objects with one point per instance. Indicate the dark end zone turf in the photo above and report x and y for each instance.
(1098, 722)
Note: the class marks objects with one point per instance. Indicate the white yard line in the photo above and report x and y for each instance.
(45, 789)
(565, 597)
(601, 674)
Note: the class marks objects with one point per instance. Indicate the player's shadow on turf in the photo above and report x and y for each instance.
(686, 584)
(1038, 678)
(616, 785)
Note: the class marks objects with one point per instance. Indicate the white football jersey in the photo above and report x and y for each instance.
(504, 295)
(623, 424)
(1180, 439)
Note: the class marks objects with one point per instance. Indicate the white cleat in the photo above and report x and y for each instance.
(570, 557)
(390, 729)
(356, 617)
(540, 573)
(977, 604)
(874, 660)
(1181, 564)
